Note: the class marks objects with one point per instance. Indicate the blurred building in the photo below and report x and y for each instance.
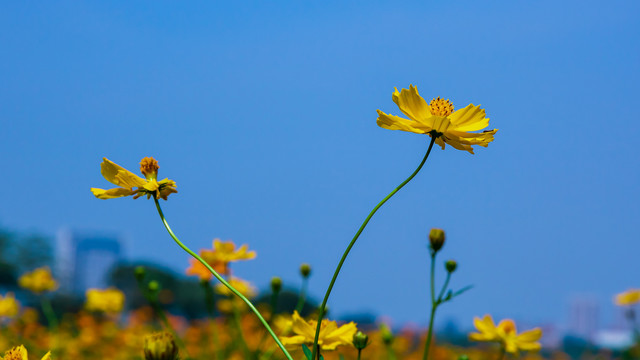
(583, 317)
(84, 259)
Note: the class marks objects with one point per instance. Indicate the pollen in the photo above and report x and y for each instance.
(441, 107)
(149, 167)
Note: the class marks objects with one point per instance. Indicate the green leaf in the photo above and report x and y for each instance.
(307, 352)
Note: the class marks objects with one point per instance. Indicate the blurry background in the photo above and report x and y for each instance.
(264, 114)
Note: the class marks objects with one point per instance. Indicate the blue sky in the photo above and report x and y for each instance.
(264, 114)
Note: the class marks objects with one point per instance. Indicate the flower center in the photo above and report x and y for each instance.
(149, 167)
(441, 107)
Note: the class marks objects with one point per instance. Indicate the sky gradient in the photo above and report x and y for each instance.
(265, 116)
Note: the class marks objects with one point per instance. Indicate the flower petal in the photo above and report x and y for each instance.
(120, 176)
(530, 335)
(392, 122)
(111, 193)
(470, 118)
(412, 104)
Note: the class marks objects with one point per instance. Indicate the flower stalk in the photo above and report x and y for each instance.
(222, 280)
(434, 135)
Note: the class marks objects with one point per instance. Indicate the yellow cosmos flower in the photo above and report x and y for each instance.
(244, 287)
(505, 334)
(38, 281)
(629, 297)
(331, 336)
(132, 184)
(9, 306)
(437, 118)
(110, 301)
(20, 353)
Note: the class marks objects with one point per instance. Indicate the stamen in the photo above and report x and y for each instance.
(149, 167)
(441, 107)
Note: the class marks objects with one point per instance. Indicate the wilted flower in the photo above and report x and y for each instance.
(330, 337)
(38, 281)
(132, 184)
(505, 334)
(110, 301)
(438, 119)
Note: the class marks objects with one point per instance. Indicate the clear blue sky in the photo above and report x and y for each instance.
(264, 114)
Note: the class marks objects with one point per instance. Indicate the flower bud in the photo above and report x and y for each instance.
(276, 284)
(305, 270)
(153, 286)
(436, 239)
(463, 357)
(385, 334)
(360, 340)
(160, 346)
(451, 266)
(139, 272)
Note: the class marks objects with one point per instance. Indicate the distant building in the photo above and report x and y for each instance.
(84, 259)
(583, 317)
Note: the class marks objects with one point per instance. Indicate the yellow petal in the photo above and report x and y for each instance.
(47, 356)
(412, 104)
(392, 122)
(530, 335)
(470, 118)
(111, 193)
(120, 176)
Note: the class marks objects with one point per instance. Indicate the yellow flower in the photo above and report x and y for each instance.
(109, 301)
(9, 306)
(330, 337)
(438, 119)
(160, 346)
(505, 334)
(132, 184)
(244, 287)
(629, 297)
(38, 281)
(20, 353)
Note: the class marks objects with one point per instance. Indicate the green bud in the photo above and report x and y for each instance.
(360, 340)
(153, 286)
(160, 346)
(436, 239)
(276, 284)
(385, 333)
(451, 265)
(463, 357)
(139, 272)
(305, 270)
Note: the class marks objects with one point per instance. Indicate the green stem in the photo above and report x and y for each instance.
(353, 242)
(359, 353)
(502, 352)
(434, 306)
(47, 309)
(223, 281)
(303, 295)
(444, 287)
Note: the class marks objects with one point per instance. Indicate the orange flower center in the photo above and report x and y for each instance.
(149, 167)
(441, 107)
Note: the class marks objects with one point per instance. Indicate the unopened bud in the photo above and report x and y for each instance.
(360, 340)
(153, 286)
(160, 346)
(305, 270)
(385, 334)
(451, 265)
(463, 357)
(276, 284)
(436, 239)
(139, 272)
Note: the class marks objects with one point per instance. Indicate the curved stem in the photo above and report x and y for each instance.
(444, 287)
(223, 281)
(353, 241)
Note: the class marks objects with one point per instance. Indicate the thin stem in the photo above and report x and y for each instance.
(502, 352)
(47, 309)
(359, 352)
(223, 281)
(303, 294)
(444, 287)
(434, 306)
(357, 235)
